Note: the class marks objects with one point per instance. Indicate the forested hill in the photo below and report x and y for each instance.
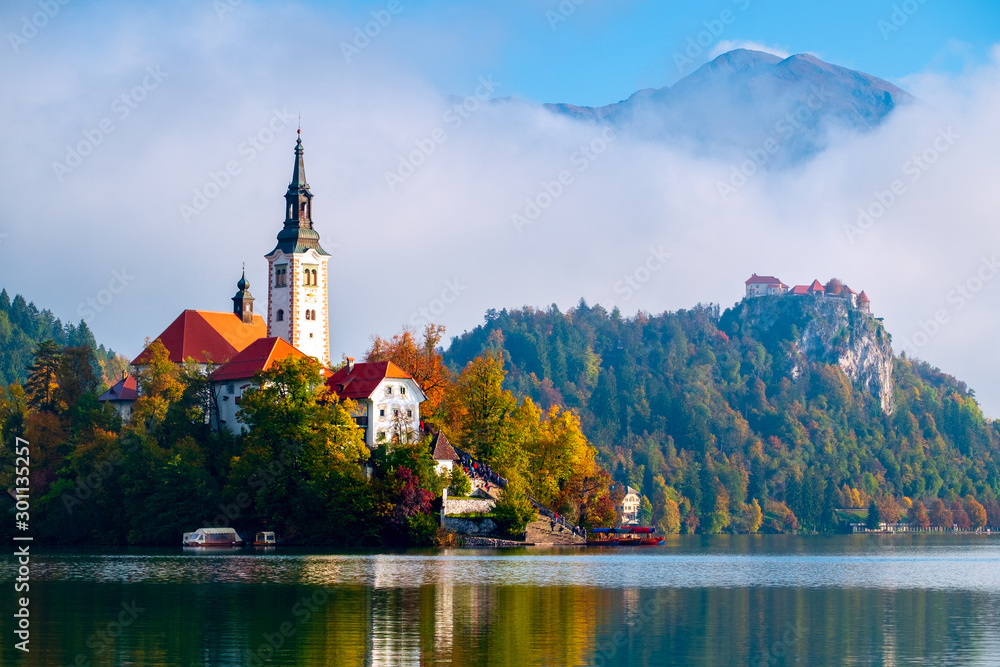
(23, 327)
(796, 404)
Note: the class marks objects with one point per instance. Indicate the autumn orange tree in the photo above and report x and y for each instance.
(422, 360)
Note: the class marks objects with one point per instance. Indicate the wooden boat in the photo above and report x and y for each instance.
(605, 537)
(640, 536)
(213, 537)
(651, 541)
(264, 538)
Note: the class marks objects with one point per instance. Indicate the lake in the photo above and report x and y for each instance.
(757, 600)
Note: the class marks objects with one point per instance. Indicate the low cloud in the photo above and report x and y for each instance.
(451, 221)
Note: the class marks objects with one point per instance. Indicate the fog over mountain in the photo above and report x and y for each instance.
(671, 198)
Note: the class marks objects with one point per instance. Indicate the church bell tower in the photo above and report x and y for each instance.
(297, 304)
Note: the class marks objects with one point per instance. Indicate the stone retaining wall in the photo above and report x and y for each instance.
(465, 506)
(492, 542)
(467, 526)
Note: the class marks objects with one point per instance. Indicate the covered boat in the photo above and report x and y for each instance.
(603, 537)
(213, 537)
(264, 538)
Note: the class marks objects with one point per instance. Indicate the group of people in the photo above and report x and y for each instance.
(481, 471)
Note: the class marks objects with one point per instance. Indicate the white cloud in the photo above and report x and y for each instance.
(395, 252)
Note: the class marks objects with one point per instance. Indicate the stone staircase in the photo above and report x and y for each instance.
(540, 533)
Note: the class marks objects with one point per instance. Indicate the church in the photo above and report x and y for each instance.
(233, 346)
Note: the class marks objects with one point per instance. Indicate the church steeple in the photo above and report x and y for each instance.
(298, 234)
(243, 301)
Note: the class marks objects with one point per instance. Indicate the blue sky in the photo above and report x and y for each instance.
(604, 51)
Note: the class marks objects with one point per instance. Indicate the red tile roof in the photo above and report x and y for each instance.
(207, 337)
(443, 451)
(800, 289)
(260, 355)
(863, 298)
(766, 280)
(817, 286)
(125, 389)
(362, 380)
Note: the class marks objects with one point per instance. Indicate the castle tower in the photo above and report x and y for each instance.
(297, 305)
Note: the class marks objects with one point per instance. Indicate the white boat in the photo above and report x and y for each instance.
(265, 538)
(213, 537)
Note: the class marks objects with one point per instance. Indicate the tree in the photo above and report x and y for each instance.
(976, 513)
(514, 511)
(917, 516)
(751, 516)
(874, 519)
(459, 482)
(487, 405)
(159, 387)
(645, 512)
(941, 516)
(670, 521)
(42, 383)
(889, 510)
(959, 515)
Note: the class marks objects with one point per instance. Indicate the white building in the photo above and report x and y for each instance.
(764, 286)
(388, 400)
(298, 282)
(232, 379)
(628, 510)
(443, 453)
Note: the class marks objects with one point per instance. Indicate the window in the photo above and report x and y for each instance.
(409, 414)
(395, 412)
(230, 388)
(381, 436)
(315, 275)
(381, 412)
(310, 276)
(307, 315)
(388, 390)
(303, 209)
(280, 316)
(402, 391)
(281, 275)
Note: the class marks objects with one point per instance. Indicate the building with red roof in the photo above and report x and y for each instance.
(388, 399)
(122, 395)
(764, 286)
(233, 378)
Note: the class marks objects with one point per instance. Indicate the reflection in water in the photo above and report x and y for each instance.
(840, 601)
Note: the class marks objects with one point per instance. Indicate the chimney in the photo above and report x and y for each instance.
(350, 364)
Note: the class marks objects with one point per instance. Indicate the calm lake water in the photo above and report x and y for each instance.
(852, 600)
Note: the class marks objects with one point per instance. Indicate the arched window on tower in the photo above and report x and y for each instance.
(314, 277)
(281, 315)
(314, 315)
(303, 207)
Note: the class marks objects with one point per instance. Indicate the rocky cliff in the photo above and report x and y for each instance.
(826, 330)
